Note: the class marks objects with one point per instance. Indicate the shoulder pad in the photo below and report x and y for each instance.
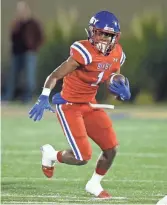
(80, 53)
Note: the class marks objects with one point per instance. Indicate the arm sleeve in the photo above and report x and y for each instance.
(80, 53)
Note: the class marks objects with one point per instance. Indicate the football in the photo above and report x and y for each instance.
(117, 78)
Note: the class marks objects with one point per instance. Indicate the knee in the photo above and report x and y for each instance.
(85, 159)
(110, 153)
(86, 156)
(82, 162)
(113, 151)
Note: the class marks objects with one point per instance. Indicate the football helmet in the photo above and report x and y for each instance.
(104, 31)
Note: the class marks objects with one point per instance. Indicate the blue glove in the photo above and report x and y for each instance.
(37, 110)
(121, 89)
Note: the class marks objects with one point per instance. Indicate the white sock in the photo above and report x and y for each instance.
(54, 156)
(96, 178)
(51, 152)
(93, 186)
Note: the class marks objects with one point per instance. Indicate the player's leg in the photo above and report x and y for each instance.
(99, 128)
(50, 156)
(74, 129)
(67, 156)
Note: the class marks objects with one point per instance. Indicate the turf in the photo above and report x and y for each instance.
(138, 175)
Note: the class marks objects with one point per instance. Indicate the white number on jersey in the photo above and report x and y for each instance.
(100, 76)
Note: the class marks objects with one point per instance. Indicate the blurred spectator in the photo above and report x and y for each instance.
(26, 38)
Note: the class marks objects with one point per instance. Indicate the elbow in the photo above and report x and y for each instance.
(51, 78)
(56, 76)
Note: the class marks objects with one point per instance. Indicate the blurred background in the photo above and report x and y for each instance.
(61, 22)
(36, 37)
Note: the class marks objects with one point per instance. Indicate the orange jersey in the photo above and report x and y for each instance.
(81, 85)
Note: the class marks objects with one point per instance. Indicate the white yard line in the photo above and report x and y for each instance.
(79, 179)
(67, 199)
(60, 202)
(55, 203)
(88, 202)
(60, 197)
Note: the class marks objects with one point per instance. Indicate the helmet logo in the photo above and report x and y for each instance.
(107, 28)
(93, 20)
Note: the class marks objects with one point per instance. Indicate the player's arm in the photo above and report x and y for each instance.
(43, 104)
(79, 55)
(64, 69)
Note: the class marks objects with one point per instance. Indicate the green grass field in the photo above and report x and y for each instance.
(138, 176)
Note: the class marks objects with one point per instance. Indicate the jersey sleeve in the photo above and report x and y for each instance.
(80, 53)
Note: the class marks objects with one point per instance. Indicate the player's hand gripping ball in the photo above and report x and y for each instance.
(117, 78)
(119, 86)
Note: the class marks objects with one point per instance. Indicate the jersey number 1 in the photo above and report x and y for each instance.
(100, 76)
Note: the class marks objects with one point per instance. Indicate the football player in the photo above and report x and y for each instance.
(91, 62)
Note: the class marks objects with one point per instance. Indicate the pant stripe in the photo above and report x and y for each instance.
(68, 133)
